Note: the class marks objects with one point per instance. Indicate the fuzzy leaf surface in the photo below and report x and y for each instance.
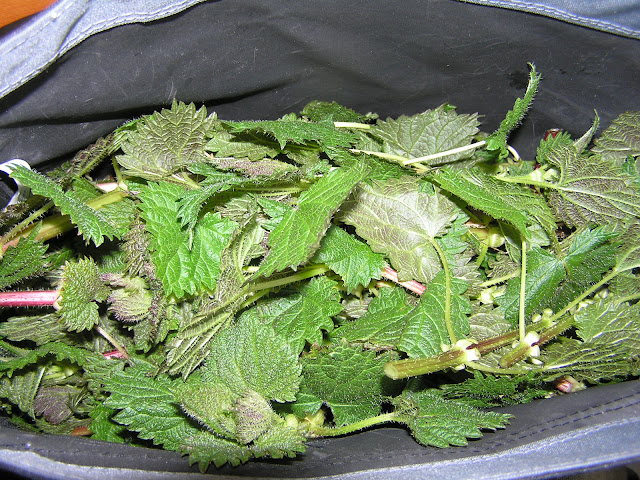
(165, 142)
(349, 380)
(515, 204)
(437, 422)
(426, 133)
(621, 139)
(298, 235)
(318, 111)
(91, 224)
(591, 190)
(350, 258)
(81, 288)
(22, 260)
(382, 325)
(250, 356)
(397, 219)
(610, 334)
(298, 132)
(425, 331)
(183, 270)
(302, 317)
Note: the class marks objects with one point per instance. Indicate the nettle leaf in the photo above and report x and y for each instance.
(22, 261)
(149, 406)
(103, 428)
(246, 144)
(628, 257)
(350, 258)
(425, 331)
(398, 220)
(518, 205)
(91, 224)
(318, 111)
(191, 201)
(609, 345)
(298, 132)
(260, 170)
(437, 422)
(383, 323)
(183, 270)
(621, 139)
(39, 329)
(59, 350)
(591, 190)
(349, 380)
(302, 317)
(165, 142)
(21, 389)
(484, 391)
(81, 288)
(210, 404)
(426, 133)
(250, 356)
(298, 235)
(498, 139)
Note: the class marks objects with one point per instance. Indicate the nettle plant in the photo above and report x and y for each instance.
(242, 287)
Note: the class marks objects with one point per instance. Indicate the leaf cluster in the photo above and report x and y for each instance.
(249, 285)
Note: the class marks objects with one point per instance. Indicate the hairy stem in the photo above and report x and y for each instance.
(303, 274)
(29, 298)
(523, 292)
(321, 431)
(446, 153)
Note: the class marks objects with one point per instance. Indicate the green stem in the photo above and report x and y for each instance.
(585, 294)
(25, 223)
(321, 431)
(523, 292)
(308, 272)
(412, 367)
(386, 156)
(447, 297)
(628, 298)
(525, 181)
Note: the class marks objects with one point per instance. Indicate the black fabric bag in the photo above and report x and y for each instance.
(246, 59)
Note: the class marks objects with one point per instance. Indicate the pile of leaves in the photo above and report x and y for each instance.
(242, 287)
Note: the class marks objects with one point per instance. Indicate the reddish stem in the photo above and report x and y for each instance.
(35, 298)
(412, 285)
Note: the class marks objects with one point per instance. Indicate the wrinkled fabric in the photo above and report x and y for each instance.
(621, 17)
(30, 46)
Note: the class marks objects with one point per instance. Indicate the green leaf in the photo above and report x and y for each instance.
(348, 380)
(91, 224)
(298, 132)
(437, 422)
(318, 111)
(298, 235)
(59, 350)
(22, 261)
(211, 404)
(382, 325)
(39, 329)
(591, 190)
(148, 406)
(425, 332)
(628, 257)
(610, 346)
(398, 220)
(183, 270)
(250, 356)
(302, 317)
(621, 139)
(165, 142)
(350, 258)
(81, 288)
(22, 388)
(490, 391)
(248, 144)
(430, 132)
(103, 428)
(544, 274)
(498, 139)
(518, 205)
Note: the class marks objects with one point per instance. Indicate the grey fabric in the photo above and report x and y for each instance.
(621, 17)
(29, 47)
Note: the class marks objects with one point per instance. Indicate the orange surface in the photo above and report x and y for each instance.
(14, 10)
